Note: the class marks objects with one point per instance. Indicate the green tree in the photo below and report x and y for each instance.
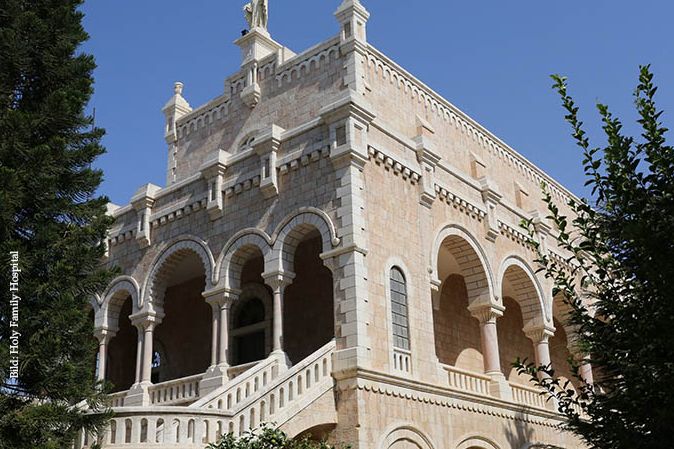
(618, 281)
(267, 437)
(50, 215)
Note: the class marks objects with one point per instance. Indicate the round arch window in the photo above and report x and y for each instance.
(249, 331)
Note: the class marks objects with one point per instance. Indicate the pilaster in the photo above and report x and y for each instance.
(491, 198)
(176, 108)
(267, 146)
(348, 120)
(142, 202)
(213, 171)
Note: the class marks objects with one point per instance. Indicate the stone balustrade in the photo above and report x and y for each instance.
(195, 427)
(308, 379)
(528, 396)
(117, 399)
(242, 386)
(174, 392)
(468, 381)
(402, 361)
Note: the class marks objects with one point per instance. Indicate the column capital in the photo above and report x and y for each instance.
(539, 334)
(103, 334)
(146, 320)
(486, 313)
(278, 279)
(221, 297)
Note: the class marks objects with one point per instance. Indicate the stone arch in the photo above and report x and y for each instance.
(526, 290)
(113, 298)
(153, 289)
(119, 301)
(240, 248)
(472, 261)
(476, 442)
(291, 230)
(405, 434)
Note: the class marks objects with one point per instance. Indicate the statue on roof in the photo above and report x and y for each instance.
(257, 13)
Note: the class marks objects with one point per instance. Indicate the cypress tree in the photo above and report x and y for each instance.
(53, 223)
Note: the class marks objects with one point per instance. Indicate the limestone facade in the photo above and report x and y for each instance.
(337, 250)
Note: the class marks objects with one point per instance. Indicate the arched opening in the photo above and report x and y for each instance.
(251, 315)
(522, 306)
(120, 368)
(249, 331)
(560, 354)
(512, 341)
(457, 332)
(308, 315)
(184, 334)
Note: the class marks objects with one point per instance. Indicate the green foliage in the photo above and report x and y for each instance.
(50, 215)
(267, 437)
(618, 281)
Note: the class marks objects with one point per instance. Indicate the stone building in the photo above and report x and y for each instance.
(337, 250)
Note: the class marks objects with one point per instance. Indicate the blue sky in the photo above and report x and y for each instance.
(492, 59)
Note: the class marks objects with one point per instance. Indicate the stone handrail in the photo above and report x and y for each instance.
(528, 396)
(117, 399)
(292, 390)
(191, 428)
(236, 371)
(176, 391)
(133, 427)
(463, 380)
(241, 387)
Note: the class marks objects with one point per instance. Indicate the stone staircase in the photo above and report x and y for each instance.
(266, 392)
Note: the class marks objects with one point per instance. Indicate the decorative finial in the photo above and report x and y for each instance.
(178, 88)
(256, 13)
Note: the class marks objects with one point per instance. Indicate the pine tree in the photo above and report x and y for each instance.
(618, 281)
(52, 218)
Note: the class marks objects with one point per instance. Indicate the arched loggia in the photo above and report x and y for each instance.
(175, 286)
(523, 314)
(464, 281)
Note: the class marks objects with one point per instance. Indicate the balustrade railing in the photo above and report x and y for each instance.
(528, 396)
(306, 380)
(178, 391)
(402, 361)
(243, 386)
(117, 399)
(192, 428)
(460, 379)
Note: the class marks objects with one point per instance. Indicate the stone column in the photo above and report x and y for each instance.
(146, 368)
(540, 336)
(145, 323)
(104, 336)
(215, 324)
(223, 310)
(220, 301)
(278, 281)
(139, 352)
(487, 315)
(585, 371)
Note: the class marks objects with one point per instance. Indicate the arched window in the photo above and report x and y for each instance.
(399, 310)
(249, 331)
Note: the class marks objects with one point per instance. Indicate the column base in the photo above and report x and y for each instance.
(499, 386)
(214, 378)
(284, 361)
(138, 395)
